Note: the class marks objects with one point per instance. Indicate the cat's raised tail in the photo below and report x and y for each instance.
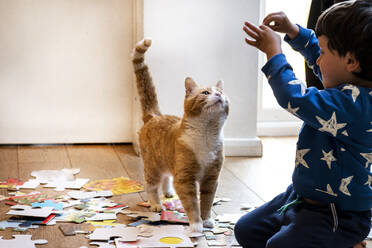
(145, 86)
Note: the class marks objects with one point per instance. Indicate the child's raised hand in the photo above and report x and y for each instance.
(264, 39)
(281, 24)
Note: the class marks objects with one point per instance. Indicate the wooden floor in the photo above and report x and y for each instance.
(243, 179)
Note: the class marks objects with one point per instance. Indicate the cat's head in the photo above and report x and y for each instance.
(205, 100)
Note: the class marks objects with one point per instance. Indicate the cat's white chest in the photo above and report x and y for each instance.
(204, 147)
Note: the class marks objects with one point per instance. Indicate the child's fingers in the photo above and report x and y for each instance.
(271, 17)
(253, 27)
(251, 33)
(251, 42)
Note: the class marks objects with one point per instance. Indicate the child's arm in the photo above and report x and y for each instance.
(314, 107)
(300, 39)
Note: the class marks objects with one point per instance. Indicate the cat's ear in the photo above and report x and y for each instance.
(190, 85)
(220, 84)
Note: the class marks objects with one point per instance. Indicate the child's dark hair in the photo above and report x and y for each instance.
(348, 28)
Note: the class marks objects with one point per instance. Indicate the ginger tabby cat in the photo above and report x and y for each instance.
(187, 149)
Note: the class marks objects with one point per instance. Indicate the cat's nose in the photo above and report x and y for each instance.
(217, 94)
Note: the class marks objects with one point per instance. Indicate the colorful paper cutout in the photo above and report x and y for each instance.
(118, 186)
(21, 241)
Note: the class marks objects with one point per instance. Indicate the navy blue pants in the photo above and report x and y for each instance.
(301, 226)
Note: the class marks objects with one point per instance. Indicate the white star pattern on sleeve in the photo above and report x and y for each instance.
(331, 125)
(368, 157)
(299, 82)
(328, 157)
(354, 91)
(369, 181)
(300, 157)
(344, 183)
(292, 110)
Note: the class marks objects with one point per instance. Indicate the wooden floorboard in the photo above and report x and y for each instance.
(243, 180)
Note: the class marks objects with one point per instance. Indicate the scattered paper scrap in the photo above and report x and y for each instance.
(72, 215)
(50, 176)
(102, 216)
(127, 233)
(30, 184)
(118, 186)
(48, 203)
(62, 185)
(16, 226)
(11, 184)
(24, 210)
(174, 217)
(150, 216)
(103, 244)
(28, 199)
(85, 195)
(163, 236)
(229, 218)
(105, 223)
(73, 229)
(21, 241)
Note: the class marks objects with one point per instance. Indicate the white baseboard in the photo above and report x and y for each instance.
(250, 147)
(279, 128)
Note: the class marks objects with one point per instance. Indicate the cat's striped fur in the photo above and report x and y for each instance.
(189, 149)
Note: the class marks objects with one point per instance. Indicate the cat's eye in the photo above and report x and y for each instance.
(205, 92)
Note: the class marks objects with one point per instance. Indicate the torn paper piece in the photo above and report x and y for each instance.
(173, 205)
(85, 195)
(102, 216)
(24, 210)
(48, 203)
(150, 216)
(103, 244)
(30, 184)
(16, 226)
(27, 221)
(48, 176)
(127, 233)
(62, 185)
(105, 223)
(10, 184)
(174, 217)
(99, 205)
(73, 229)
(230, 218)
(21, 241)
(72, 215)
(163, 236)
(28, 199)
(139, 222)
(118, 186)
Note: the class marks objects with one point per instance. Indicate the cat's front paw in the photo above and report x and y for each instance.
(208, 223)
(156, 208)
(196, 227)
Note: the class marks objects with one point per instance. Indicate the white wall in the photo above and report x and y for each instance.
(204, 40)
(65, 71)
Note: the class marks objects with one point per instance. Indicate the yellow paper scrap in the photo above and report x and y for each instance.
(118, 186)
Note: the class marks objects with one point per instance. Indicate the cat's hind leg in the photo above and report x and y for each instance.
(152, 183)
(168, 189)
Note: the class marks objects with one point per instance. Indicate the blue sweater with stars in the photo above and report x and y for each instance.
(334, 148)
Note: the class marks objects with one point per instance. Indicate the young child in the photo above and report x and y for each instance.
(329, 201)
